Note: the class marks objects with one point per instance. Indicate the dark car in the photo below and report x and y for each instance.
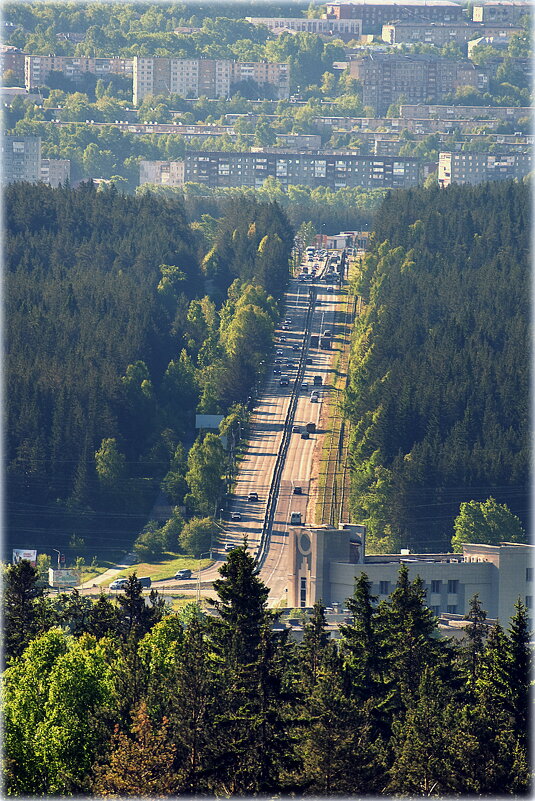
(298, 490)
(183, 574)
(305, 435)
(276, 371)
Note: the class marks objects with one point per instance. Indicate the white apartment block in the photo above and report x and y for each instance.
(38, 68)
(55, 171)
(321, 27)
(21, 158)
(163, 173)
(473, 168)
(212, 78)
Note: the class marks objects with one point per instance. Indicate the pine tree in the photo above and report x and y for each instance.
(20, 614)
(520, 670)
(474, 635)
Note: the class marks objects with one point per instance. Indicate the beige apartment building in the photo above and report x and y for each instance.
(473, 168)
(501, 11)
(326, 561)
(163, 173)
(322, 27)
(376, 13)
(212, 78)
(439, 34)
(38, 68)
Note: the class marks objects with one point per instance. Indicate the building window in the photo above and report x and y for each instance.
(435, 585)
(452, 609)
(435, 610)
(452, 585)
(529, 574)
(303, 596)
(529, 601)
(384, 587)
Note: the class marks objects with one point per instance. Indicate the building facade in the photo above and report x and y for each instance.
(423, 111)
(473, 168)
(439, 34)
(38, 68)
(326, 562)
(21, 158)
(55, 171)
(11, 58)
(322, 27)
(335, 170)
(376, 13)
(418, 78)
(501, 11)
(212, 78)
(163, 173)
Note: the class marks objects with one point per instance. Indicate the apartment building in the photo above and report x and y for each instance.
(386, 78)
(212, 78)
(21, 158)
(376, 13)
(428, 111)
(11, 58)
(439, 34)
(350, 28)
(55, 171)
(38, 68)
(426, 125)
(335, 170)
(326, 561)
(163, 173)
(473, 168)
(502, 11)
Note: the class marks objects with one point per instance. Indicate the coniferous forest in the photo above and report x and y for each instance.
(129, 699)
(439, 383)
(122, 322)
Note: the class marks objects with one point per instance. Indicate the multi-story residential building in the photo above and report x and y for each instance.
(427, 125)
(423, 111)
(348, 28)
(55, 171)
(11, 58)
(473, 168)
(164, 173)
(21, 158)
(386, 78)
(501, 11)
(196, 77)
(375, 13)
(38, 68)
(335, 170)
(324, 563)
(439, 34)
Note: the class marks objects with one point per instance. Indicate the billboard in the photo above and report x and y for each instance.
(66, 577)
(22, 553)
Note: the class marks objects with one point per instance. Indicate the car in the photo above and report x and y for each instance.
(278, 361)
(330, 289)
(253, 496)
(182, 574)
(327, 333)
(229, 547)
(296, 429)
(315, 392)
(308, 360)
(314, 399)
(282, 339)
(276, 371)
(290, 363)
(304, 385)
(119, 584)
(285, 327)
(288, 320)
(235, 516)
(296, 347)
(280, 352)
(305, 435)
(284, 381)
(298, 490)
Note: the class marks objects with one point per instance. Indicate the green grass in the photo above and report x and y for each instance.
(164, 568)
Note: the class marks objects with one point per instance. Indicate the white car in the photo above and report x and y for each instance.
(235, 516)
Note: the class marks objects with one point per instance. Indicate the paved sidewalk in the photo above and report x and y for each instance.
(129, 560)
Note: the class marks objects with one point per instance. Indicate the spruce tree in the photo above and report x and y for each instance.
(520, 670)
(20, 613)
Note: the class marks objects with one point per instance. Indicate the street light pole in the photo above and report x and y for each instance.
(58, 553)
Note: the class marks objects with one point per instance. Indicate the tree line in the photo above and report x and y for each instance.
(438, 389)
(121, 325)
(127, 698)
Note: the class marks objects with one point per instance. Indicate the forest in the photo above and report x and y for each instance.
(126, 698)
(438, 395)
(122, 321)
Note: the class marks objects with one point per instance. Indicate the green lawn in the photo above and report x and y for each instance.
(164, 568)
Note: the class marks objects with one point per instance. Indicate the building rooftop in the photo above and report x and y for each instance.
(417, 3)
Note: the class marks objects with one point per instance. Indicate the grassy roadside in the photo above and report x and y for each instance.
(164, 568)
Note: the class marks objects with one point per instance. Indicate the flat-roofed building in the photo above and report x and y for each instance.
(21, 158)
(350, 28)
(163, 173)
(472, 168)
(376, 13)
(55, 171)
(324, 563)
(501, 11)
(11, 58)
(422, 111)
(212, 78)
(38, 68)
(439, 34)
(386, 78)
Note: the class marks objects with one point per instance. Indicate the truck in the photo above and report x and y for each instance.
(310, 427)
(317, 381)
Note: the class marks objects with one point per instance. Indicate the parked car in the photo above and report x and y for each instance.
(280, 352)
(284, 381)
(253, 496)
(235, 516)
(296, 429)
(304, 386)
(145, 581)
(276, 371)
(298, 490)
(119, 584)
(229, 547)
(305, 435)
(182, 574)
